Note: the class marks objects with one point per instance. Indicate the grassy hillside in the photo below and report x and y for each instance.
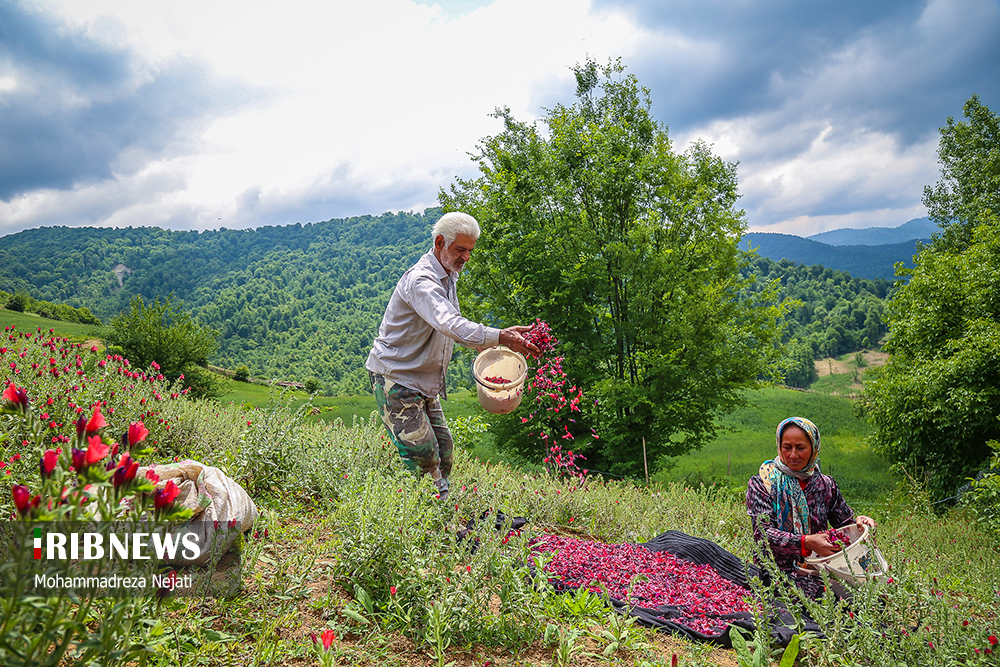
(748, 440)
(31, 322)
(351, 543)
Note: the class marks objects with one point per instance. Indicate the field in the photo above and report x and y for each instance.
(354, 562)
(31, 322)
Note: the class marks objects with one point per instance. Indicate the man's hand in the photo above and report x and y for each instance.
(513, 337)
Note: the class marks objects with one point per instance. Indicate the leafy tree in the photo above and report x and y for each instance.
(629, 250)
(969, 154)
(19, 302)
(934, 404)
(242, 373)
(161, 333)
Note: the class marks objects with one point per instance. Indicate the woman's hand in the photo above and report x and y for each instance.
(862, 520)
(819, 543)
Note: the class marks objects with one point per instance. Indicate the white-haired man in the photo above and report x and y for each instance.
(410, 355)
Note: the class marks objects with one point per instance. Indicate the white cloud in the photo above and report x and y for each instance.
(361, 107)
(363, 100)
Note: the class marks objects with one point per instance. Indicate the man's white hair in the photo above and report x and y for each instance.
(452, 224)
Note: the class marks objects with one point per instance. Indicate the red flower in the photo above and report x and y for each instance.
(77, 457)
(48, 462)
(19, 397)
(96, 450)
(22, 497)
(137, 432)
(126, 470)
(327, 637)
(993, 640)
(166, 495)
(392, 590)
(152, 476)
(96, 422)
(80, 423)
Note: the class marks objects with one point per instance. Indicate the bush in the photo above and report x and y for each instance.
(168, 339)
(19, 302)
(242, 373)
(311, 385)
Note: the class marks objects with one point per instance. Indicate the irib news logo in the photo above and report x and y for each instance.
(134, 546)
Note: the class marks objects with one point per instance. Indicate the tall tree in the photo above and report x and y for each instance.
(969, 153)
(934, 405)
(629, 250)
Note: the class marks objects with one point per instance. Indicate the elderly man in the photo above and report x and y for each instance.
(420, 327)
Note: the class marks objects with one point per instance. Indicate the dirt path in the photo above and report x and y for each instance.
(833, 366)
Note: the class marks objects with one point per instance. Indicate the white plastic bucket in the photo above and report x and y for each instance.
(503, 362)
(858, 563)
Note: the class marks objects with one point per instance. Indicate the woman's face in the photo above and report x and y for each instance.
(796, 449)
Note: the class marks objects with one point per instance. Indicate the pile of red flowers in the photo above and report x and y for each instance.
(497, 379)
(838, 538)
(632, 573)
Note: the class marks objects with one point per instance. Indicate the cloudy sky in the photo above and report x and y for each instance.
(217, 113)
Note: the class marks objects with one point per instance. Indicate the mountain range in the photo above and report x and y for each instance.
(864, 253)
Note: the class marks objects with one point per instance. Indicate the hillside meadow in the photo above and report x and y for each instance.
(352, 545)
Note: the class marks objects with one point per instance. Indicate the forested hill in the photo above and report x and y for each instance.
(305, 301)
(861, 261)
(294, 301)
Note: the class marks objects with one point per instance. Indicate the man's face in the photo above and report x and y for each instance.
(454, 256)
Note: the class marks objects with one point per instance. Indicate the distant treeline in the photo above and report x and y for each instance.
(304, 301)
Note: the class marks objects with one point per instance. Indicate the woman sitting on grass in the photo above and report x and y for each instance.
(791, 503)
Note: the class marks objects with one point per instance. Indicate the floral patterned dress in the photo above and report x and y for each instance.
(827, 508)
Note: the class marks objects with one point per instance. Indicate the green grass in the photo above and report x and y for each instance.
(462, 403)
(747, 439)
(28, 322)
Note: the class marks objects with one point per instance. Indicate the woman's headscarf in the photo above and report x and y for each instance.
(791, 511)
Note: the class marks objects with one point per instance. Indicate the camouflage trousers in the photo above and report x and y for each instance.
(417, 428)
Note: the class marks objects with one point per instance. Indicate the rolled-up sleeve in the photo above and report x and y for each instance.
(430, 301)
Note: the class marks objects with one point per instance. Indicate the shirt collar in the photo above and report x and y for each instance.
(439, 271)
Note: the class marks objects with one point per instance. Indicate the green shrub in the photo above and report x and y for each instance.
(242, 373)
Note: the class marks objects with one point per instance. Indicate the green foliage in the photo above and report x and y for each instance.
(19, 302)
(311, 385)
(984, 499)
(629, 251)
(834, 313)
(80, 628)
(242, 373)
(934, 404)
(468, 431)
(969, 189)
(162, 336)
